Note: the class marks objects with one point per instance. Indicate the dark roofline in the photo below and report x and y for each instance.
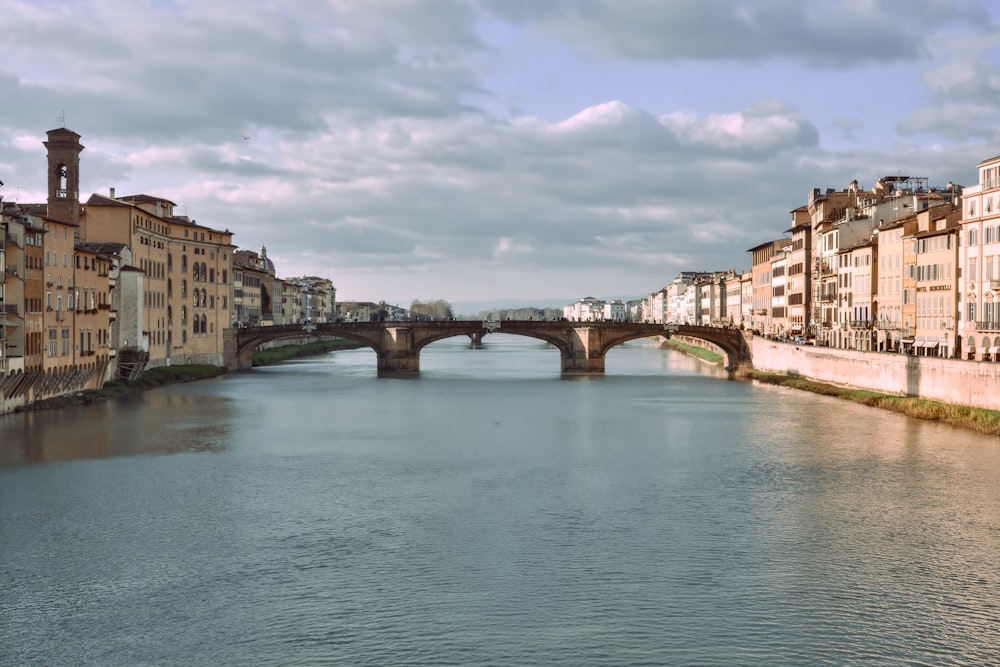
(145, 199)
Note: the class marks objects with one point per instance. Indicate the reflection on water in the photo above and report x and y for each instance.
(156, 422)
(494, 512)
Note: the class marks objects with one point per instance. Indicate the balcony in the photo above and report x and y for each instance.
(988, 326)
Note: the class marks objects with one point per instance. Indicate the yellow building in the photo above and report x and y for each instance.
(187, 270)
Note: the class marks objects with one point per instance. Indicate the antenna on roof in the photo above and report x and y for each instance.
(62, 118)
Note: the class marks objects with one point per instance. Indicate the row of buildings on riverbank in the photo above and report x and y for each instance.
(901, 267)
(96, 289)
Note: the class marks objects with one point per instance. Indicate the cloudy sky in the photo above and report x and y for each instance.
(498, 150)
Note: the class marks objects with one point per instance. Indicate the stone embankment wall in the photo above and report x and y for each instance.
(972, 383)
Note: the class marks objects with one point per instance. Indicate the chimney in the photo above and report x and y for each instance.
(112, 193)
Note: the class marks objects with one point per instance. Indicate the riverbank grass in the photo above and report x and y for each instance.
(980, 420)
(285, 352)
(694, 351)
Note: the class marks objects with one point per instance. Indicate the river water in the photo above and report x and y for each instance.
(494, 512)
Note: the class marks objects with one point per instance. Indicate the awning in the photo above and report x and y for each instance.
(919, 343)
(993, 350)
(931, 344)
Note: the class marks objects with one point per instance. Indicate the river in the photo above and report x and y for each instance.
(494, 512)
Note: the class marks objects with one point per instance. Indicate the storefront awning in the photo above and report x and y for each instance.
(993, 350)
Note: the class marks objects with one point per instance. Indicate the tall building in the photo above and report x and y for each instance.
(979, 326)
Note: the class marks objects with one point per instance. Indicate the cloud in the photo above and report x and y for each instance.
(824, 34)
(379, 156)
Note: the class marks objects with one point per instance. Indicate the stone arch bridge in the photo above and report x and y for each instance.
(582, 345)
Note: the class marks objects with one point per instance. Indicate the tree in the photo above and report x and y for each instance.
(439, 309)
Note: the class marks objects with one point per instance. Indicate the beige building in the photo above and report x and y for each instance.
(798, 282)
(253, 285)
(761, 258)
(186, 267)
(889, 329)
(857, 302)
(980, 261)
(934, 244)
(780, 324)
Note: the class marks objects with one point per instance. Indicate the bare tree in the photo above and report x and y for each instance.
(438, 309)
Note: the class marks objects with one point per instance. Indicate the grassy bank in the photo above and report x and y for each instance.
(286, 352)
(980, 420)
(694, 351)
(976, 419)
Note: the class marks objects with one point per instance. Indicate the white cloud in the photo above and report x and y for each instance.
(368, 161)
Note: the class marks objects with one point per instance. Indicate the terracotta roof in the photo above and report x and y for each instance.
(145, 199)
(101, 200)
(101, 248)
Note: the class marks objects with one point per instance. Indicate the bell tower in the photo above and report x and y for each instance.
(64, 175)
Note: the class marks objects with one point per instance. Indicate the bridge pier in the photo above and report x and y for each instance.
(584, 351)
(574, 364)
(398, 353)
(398, 361)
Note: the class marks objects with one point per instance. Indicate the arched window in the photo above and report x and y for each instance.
(61, 174)
(184, 316)
(204, 272)
(170, 288)
(184, 263)
(204, 298)
(184, 289)
(204, 324)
